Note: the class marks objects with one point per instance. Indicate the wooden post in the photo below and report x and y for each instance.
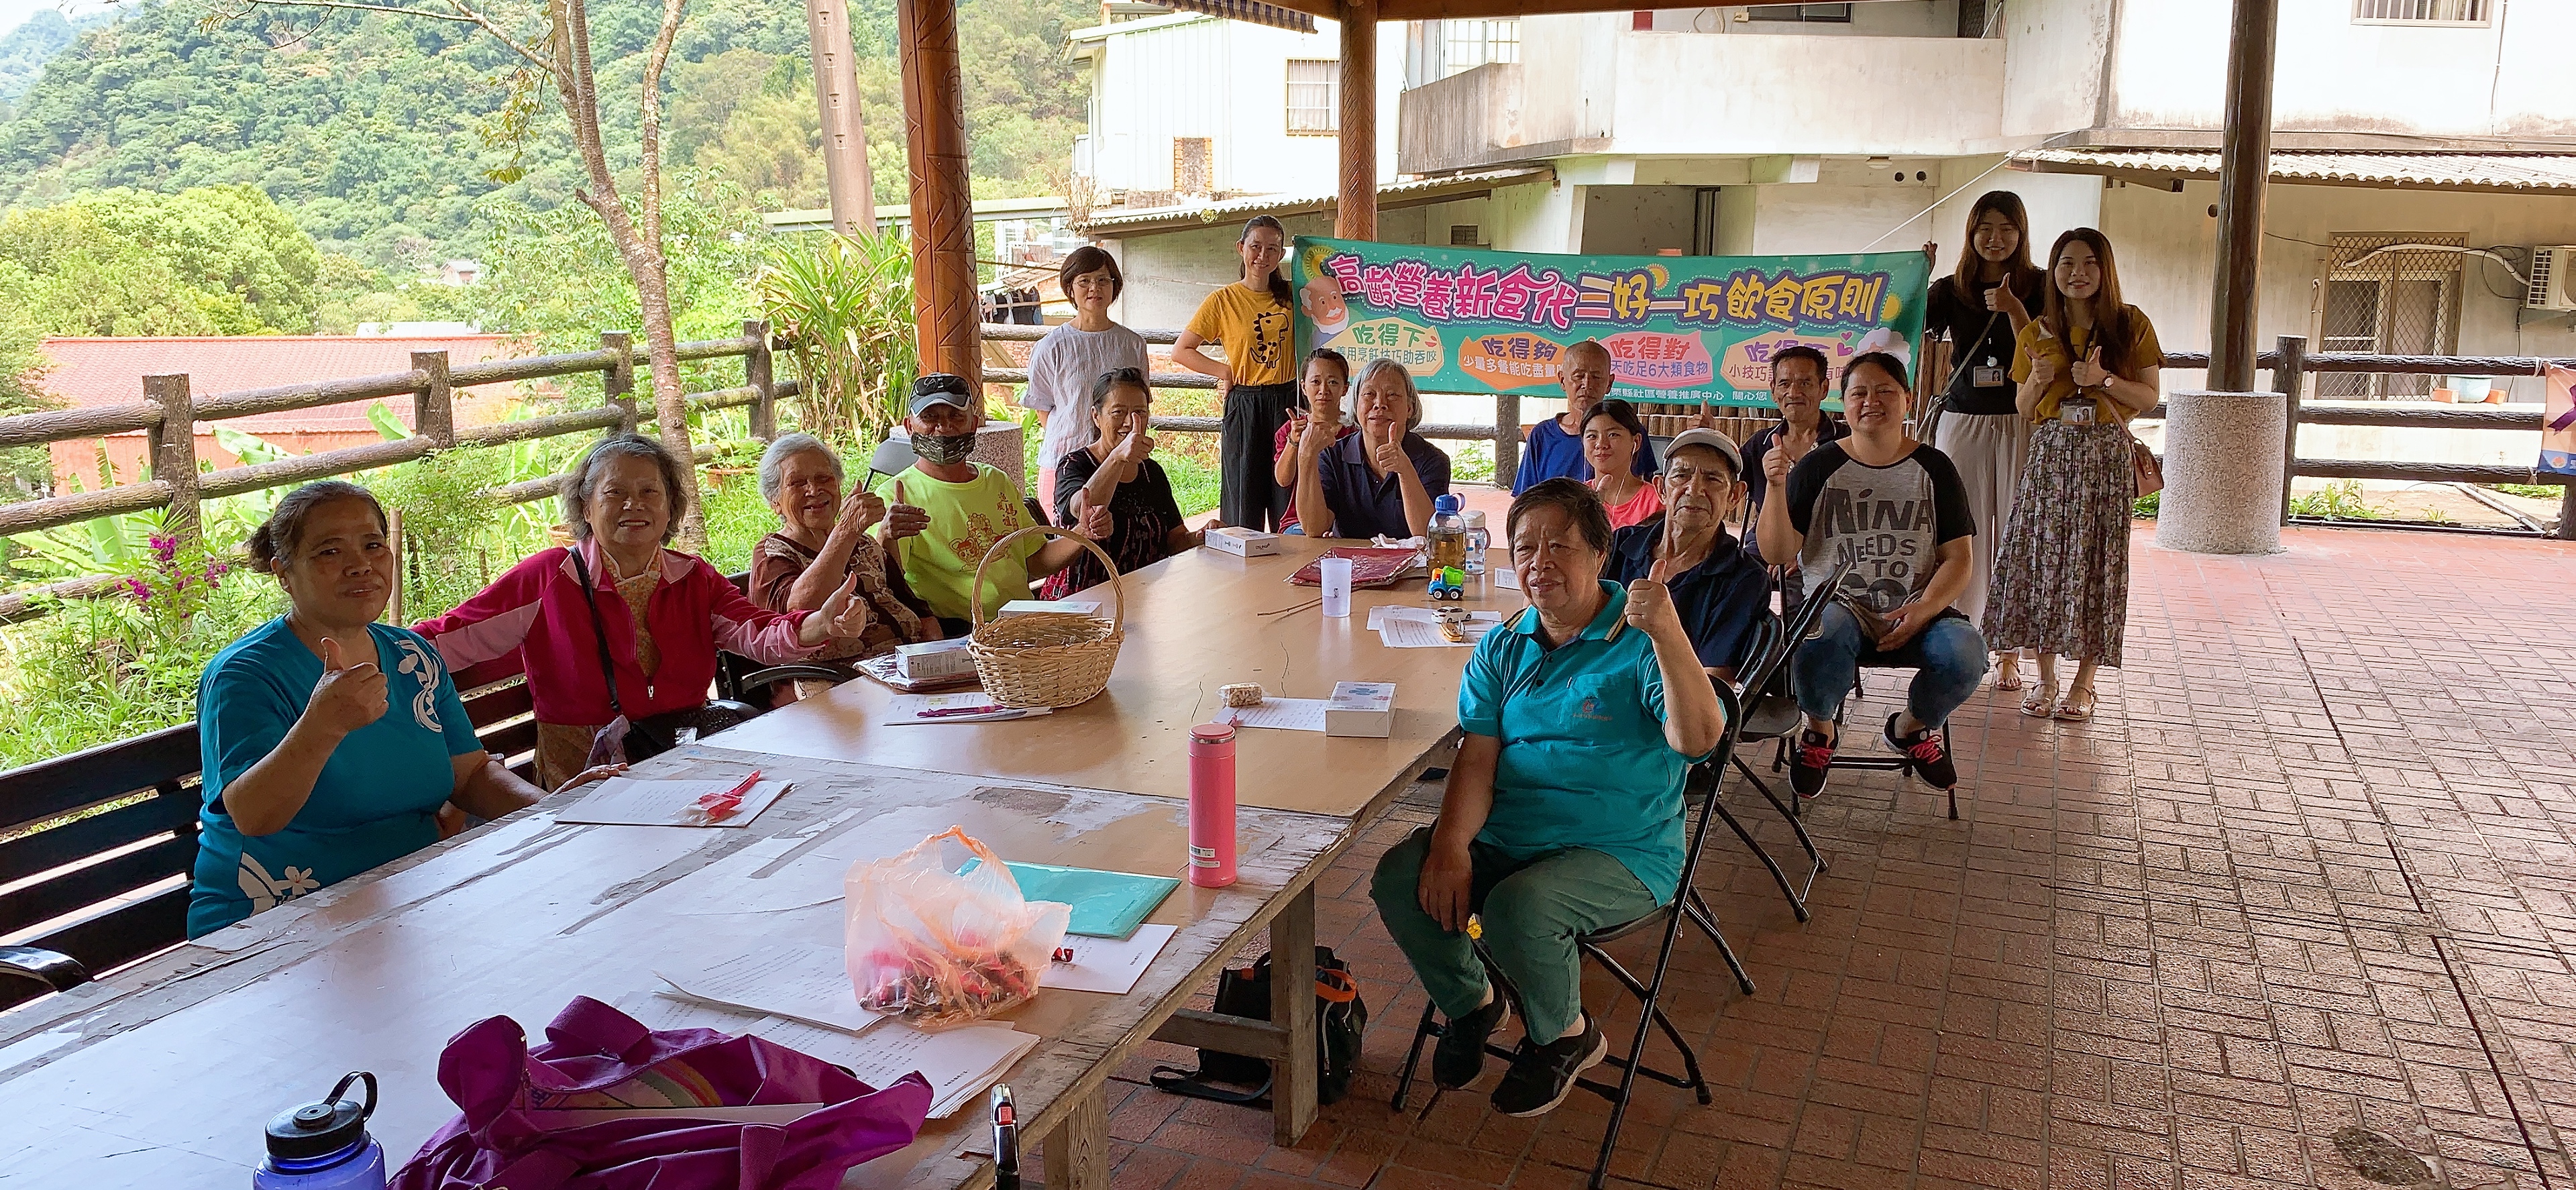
(2289, 378)
(946, 310)
(433, 404)
(756, 373)
(619, 378)
(1507, 440)
(1355, 218)
(2244, 169)
(845, 136)
(174, 452)
(2567, 512)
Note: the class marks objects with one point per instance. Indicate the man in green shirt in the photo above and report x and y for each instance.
(948, 510)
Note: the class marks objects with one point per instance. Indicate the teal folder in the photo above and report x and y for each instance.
(1105, 904)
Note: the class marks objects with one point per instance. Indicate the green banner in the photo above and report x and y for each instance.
(1678, 328)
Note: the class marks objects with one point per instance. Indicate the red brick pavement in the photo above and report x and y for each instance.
(2308, 871)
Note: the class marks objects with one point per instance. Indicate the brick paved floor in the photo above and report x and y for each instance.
(2308, 872)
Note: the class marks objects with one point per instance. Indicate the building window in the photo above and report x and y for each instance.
(1192, 172)
(1314, 96)
(2420, 12)
(1838, 14)
(1468, 44)
(1466, 235)
(2383, 302)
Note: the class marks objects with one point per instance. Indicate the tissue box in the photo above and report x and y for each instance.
(1021, 607)
(1243, 543)
(934, 659)
(1360, 709)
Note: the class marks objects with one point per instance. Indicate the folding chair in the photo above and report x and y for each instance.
(1771, 714)
(1649, 992)
(1812, 610)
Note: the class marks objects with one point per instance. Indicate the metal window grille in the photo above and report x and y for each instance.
(1466, 235)
(1314, 96)
(2405, 302)
(2421, 12)
(1468, 44)
(1839, 14)
(1193, 171)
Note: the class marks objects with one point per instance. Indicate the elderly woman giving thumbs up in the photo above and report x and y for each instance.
(329, 741)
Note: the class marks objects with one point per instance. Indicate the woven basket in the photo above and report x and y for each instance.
(1046, 659)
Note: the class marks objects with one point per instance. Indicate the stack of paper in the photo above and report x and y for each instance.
(800, 981)
(624, 801)
(959, 1063)
(1107, 964)
(1282, 714)
(1401, 627)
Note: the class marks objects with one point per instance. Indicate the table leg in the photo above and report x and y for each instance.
(1292, 1007)
(1077, 1152)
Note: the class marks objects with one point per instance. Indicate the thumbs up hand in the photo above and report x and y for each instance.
(2089, 372)
(349, 696)
(902, 520)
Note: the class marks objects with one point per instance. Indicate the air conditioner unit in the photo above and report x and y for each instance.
(2553, 278)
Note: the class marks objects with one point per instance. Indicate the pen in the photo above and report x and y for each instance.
(1006, 1141)
(946, 712)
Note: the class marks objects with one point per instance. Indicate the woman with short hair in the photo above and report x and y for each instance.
(1073, 355)
(1613, 435)
(823, 540)
(1379, 482)
(1115, 491)
(1563, 814)
(329, 742)
(659, 615)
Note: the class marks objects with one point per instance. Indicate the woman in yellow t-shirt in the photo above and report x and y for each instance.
(2085, 366)
(1256, 382)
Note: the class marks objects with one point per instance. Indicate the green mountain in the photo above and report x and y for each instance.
(24, 50)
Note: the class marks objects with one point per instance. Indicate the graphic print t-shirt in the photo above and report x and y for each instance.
(1253, 327)
(1894, 518)
(965, 520)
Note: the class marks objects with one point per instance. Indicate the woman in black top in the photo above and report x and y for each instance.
(1970, 324)
(1115, 491)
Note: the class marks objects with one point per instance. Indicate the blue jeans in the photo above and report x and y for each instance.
(1949, 655)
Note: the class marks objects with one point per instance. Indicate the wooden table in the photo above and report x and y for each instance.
(164, 1076)
(1194, 623)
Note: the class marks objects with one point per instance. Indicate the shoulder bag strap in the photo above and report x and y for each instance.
(598, 630)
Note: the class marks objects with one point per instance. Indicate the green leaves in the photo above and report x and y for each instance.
(388, 426)
(845, 305)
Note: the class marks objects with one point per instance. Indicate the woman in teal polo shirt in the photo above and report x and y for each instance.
(1563, 815)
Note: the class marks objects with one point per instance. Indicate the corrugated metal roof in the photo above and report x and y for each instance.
(1247, 10)
(1117, 222)
(110, 371)
(2541, 173)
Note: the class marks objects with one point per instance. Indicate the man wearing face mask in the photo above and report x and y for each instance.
(946, 511)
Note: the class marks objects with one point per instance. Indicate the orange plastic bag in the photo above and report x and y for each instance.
(938, 948)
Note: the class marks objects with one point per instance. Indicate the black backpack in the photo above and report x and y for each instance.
(1340, 1017)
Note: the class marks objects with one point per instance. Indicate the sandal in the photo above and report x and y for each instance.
(2008, 672)
(2041, 702)
(2078, 706)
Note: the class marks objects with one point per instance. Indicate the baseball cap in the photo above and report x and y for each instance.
(940, 388)
(1714, 441)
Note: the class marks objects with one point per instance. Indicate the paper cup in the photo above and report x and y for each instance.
(1337, 587)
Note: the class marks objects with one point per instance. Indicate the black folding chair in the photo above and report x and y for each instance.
(1771, 714)
(1649, 991)
(1790, 718)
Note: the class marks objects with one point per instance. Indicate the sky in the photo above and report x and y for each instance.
(14, 13)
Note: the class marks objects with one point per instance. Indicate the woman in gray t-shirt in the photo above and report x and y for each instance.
(1072, 357)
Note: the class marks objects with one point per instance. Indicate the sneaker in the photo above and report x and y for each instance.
(1926, 753)
(1808, 762)
(1543, 1075)
(1459, 1056)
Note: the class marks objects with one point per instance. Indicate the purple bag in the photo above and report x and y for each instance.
(597, 1057)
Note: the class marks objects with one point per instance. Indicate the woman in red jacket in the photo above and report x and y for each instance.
(663, 613)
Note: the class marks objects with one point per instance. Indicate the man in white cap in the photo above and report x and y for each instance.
(968, 505)
(1721, 592)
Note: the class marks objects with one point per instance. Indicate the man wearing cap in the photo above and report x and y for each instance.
(1721, 591)
(968, 506)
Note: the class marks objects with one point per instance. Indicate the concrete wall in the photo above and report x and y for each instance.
(1547, 217)
(1884, 18)
(1568, 78)
(2053, 63)
(1227, 81)
(1638, 220)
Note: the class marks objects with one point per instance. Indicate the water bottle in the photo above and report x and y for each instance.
(324, 1145)
(1448, 534)
(1212, 805)
(1477, 539)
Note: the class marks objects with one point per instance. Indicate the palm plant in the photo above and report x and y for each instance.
(844, 305)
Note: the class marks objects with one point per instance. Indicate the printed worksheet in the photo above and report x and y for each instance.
(800, 981)
(1107, 964)
(959, 1062)
(621, 801)
(1415, 634)
(971, 707)
(1284, 714)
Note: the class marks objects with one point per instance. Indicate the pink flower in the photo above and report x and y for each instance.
(164, 548)
(141, 590)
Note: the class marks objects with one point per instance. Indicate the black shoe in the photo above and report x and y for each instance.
(1927, 753)
(1543, 1075)
(1459, 1056)
(1808, 762)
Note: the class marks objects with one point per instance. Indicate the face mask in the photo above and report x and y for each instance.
(943, 450)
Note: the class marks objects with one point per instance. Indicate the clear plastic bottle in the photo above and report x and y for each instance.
(1478, 540)
(1448, 534)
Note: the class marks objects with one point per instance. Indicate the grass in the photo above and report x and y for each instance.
(2529, 491)
(2339, 500)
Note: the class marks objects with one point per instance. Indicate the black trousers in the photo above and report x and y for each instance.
(1247, 495)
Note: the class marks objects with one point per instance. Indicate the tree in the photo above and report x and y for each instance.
(218, 260)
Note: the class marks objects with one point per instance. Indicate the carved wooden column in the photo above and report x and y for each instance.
(1356, 217)
(845, 136)
(944, 300)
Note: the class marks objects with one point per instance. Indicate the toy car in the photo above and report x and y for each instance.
(1448, 582)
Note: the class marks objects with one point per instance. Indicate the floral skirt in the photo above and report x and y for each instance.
(2061, 579)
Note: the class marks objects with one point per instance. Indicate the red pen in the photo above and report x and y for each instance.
(950, 712)
(719, 806)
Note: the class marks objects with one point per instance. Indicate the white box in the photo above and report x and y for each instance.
(1243, 543)
(1019, 607)
(934, 659)
(1360, 709)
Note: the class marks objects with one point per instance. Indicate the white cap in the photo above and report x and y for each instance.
(1475, 518)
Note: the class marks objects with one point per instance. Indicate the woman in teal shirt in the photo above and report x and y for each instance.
(1583, 715)
(329, 741)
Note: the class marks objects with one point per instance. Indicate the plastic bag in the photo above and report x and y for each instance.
(938, 948)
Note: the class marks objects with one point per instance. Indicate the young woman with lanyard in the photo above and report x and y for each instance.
(1970, 323)
(1256, 382)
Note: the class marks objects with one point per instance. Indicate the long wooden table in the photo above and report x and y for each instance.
(165, 1075)
(1195, 622)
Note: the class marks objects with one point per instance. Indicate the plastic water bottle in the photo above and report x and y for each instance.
(1448, 534)
(324, 1145)
(1477, 539)
(1212, 805)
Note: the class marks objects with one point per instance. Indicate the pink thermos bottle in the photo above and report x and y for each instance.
(1212, 805)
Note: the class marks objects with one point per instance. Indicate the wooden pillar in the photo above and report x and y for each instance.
(2244, 169)
(845, 134)
(1356, 216)
(433, 404)
(2290, 379)
(944, 302)
(174, 452)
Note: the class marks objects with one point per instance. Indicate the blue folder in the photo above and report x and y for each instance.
(1105, 904)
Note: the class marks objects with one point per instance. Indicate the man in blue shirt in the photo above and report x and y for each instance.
(1720, 590)
(1555, 447)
